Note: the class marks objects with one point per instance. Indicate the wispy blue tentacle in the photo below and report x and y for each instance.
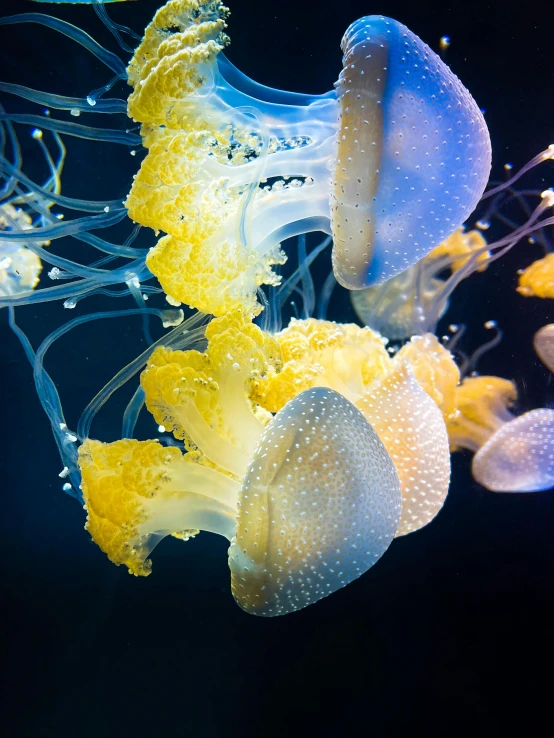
(123, 376)
(132, 411)
(110, 135)
(88, 206)
(115, 28)
(70, 228)
(72, 291)
(7, 190)
(50, 401)
(61, 102)
(76, 34)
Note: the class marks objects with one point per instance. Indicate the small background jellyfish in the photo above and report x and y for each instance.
(19, 266)
(453, 616)
(543, 342)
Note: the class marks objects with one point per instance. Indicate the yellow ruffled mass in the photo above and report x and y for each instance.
(481, 407)
(202, 397)
(538, 279)
(122, 482)
(320, 353)
(183, 188)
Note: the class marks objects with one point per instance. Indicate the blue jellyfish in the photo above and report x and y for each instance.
(413, 158)
(234, 168)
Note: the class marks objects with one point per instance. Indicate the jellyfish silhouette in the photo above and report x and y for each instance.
(512, 453)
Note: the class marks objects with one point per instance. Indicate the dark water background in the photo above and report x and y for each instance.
(449, 634)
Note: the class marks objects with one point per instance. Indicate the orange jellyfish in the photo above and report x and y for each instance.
(537, 280)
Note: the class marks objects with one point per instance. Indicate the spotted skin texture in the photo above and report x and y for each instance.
(520, 456)
(412, 428)
(414, 153)
(435, 370)
(319, 505)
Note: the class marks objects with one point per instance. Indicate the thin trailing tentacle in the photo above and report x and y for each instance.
(50, 401)
(110, 135)
(146, 289)
(275, 318)
(61, 102)
(478, 354)
(97, 264)
(130, 416)
(113, 249)
(115, 28)
(7, 190)
(285, 290)
(266, 314)
(71, 203)
(94, 96)
(129, 371)
(548, 153)
(325, 296)
(108, 58)
(70, 228)
(133, 285)
(308, 290)
(53, 185)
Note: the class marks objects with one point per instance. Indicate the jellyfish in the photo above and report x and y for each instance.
(537, 280)
(413, 302)
(23, 209)
(20, 268)
(512, 453)
(408, 420)
(234, 168)
(544, 345)
(309, 498)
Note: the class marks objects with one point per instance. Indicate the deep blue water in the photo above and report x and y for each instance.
(449, 634)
